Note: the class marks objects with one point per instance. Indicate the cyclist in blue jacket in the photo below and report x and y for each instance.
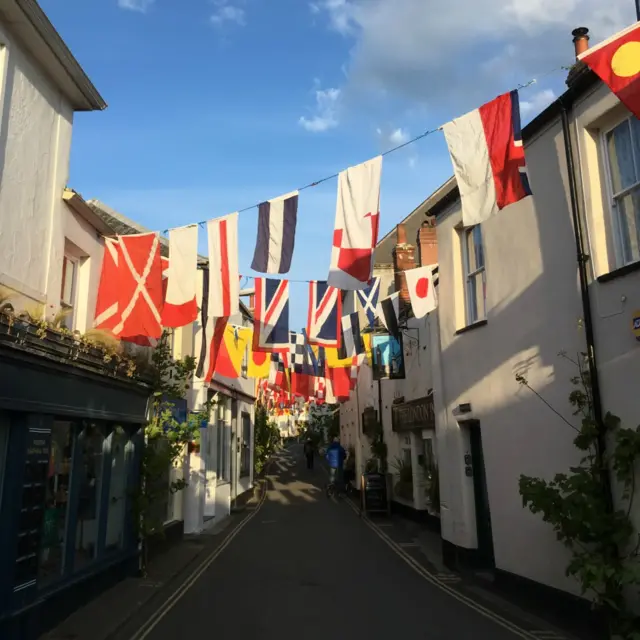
(335, 457)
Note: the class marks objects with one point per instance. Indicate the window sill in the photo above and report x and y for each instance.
(620, 272)
(469, 327)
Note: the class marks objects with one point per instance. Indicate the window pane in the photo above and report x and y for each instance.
(57, 497)
(91, 442)
(474, 251)
(628, 210)
(68, 281)
(476, 290)
(619, 145)
(117, 489)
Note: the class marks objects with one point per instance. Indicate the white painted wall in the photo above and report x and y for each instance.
(533, 308)
(35, 141)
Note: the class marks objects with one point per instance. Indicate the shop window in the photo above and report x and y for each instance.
(53, 538)
(4, 438)
(116, 510)
(245, 461)
(91, 443)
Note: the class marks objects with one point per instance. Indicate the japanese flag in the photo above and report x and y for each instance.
(422, 290)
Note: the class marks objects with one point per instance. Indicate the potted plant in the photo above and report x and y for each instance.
(404, 484)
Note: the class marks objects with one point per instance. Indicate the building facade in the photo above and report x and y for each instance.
(70, 423)
(513, 302)
(221, 472)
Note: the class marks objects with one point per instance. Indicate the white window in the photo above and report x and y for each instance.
(68, 289)
(475, 281)
(622, 145)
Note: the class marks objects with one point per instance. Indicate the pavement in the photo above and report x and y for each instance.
(296, 564)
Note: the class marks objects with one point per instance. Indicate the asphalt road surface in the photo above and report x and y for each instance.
(306, 567)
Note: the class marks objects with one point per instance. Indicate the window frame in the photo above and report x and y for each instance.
(611, 196)
(469, 276)
(69, 320)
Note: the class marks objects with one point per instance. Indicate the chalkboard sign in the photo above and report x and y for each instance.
(32, 506)
(374, 493)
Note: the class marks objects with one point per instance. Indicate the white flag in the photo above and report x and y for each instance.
(422, 290)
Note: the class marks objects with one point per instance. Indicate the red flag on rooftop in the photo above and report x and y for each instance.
(616, 62)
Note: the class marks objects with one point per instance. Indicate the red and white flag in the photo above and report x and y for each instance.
(107, 316)
(488, 158)
(422, 291)
(140, 286)
(356, 226)
(616, 62)
(180, 305)
(224, 284)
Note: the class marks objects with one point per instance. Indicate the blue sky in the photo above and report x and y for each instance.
(215, 105)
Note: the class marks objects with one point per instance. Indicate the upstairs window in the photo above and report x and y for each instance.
(474, 274)
(622, 147)
(68, 291)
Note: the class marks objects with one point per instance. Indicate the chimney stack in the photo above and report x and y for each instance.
(403, 258)
(580, 40)
(428, 242)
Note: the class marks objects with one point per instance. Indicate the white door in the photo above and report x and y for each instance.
(209, 456)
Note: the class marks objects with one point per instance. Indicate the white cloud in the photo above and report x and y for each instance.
(325, 114)
(392, 137)
(436, 50)
(398, 136)
(135, 5)
(228, 13)
(536, 102)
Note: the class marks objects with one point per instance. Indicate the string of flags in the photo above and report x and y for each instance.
(141, 293)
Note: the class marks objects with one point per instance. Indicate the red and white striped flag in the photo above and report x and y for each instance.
(224, 284)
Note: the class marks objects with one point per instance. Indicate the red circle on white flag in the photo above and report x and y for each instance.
(422, 287)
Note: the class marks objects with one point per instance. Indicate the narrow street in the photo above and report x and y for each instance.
(315, 570)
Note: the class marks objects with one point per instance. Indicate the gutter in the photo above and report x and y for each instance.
(582, 258)
(38, 19)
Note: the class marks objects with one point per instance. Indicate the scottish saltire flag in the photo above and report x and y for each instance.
(325, 310)
(271, 315)
(276, 234)
(369, 299)
(488, 158)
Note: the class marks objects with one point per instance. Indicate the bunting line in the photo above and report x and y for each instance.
(424, 134)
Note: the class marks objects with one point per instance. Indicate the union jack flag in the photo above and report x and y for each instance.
(325, 310)
(271, 315)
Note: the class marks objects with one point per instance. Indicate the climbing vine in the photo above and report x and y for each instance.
(266, 437)
(603, 542)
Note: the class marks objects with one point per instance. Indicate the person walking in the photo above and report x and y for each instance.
(309, 453)
(335, 457)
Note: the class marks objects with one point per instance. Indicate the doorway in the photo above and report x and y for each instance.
(486, 557)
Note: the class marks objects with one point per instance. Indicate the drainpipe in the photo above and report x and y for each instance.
(586, 308)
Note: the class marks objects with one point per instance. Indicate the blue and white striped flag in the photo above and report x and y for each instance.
(276, 234)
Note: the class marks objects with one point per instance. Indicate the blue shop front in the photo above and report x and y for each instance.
(71, 438)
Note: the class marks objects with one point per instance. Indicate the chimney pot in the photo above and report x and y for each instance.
(580, 40)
